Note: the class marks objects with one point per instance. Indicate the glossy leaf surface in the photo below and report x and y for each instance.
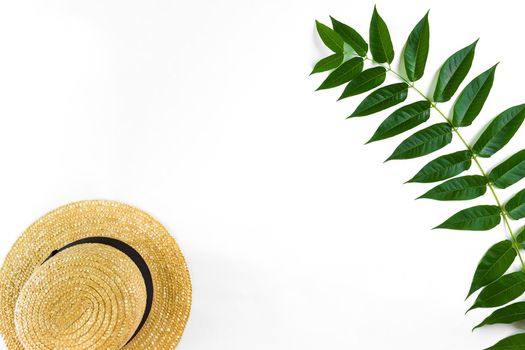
(452, 73)
(515, 207)
(328, 63)
(351, 37)
(493, 265)
(330, 38)
(444, 167)
(423, 142)
(403, 119)
(500, 131)
(416, 50)
(380, 99)
(380, 41)
(509, 172)
(502, 291)
(508, 314)
(343, 74)
(478, 218)
(365, 81)
(472, 98)
(460, 188)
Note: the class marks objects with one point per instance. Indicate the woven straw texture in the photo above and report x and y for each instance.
(92, 296)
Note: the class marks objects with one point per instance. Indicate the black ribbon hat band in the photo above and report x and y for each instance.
(134, 256)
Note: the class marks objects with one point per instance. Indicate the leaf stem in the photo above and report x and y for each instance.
(469, 148)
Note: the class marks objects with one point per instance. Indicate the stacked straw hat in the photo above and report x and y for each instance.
(94, 275)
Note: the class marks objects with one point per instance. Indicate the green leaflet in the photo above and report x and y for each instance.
(403, 119)
(509, 172)
(500, 131)
(380, 42)
(416, 50)
(508, 314)
(502, 291)
(472, 98)
(493, 265)
(423, 142)
(460, 188)
(328, 63)
(514, 342)
(330, 38)
(380, 99)
(452, 73)
(351, 37)
(520, 236)
(478, 218)
(346, 72)
(444, 167)
(515, 207)
(364, 81)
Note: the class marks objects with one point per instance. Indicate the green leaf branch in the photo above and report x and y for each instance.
(498, 287)
(469, 148)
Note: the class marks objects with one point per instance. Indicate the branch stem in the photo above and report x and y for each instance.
(515, 243)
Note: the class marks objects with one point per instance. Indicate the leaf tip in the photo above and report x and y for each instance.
(372, 139)
(471, 308)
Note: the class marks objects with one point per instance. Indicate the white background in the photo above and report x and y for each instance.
(203, 114)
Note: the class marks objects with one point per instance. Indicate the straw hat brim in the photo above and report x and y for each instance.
(171, 280)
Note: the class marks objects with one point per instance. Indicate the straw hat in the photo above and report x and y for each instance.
(94, 275)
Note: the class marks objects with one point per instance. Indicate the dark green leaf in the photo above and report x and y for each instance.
(460, 188)
(515, 207)
(382, 98)
(328, 63)
(478, 218)
(330, 38)
(472, 98)
(493, 265)
(508, 314)
(346, 72)
(444, 167)
(423, 142)
(514, 342)
(416, 50)
(351, 37)
(380, 42)
(520, 237)
(502, 291)
(403, 119)
(500, 131)
(452, 73)
(365, 81)
(509, 172)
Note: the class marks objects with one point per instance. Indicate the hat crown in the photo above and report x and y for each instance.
(89, 296)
